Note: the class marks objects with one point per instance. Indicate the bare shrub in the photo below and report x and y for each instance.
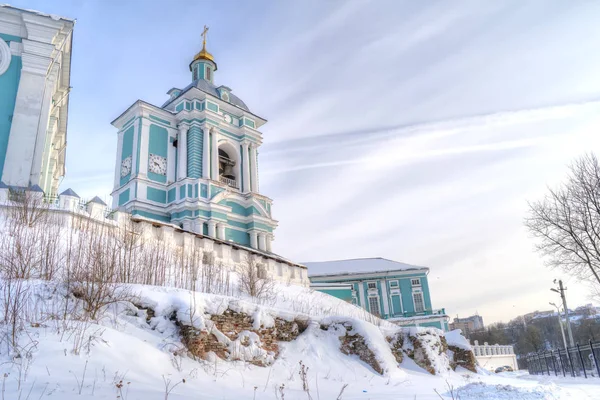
(254, 280)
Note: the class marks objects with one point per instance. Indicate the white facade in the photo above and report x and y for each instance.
(35, 151)
(491, 357)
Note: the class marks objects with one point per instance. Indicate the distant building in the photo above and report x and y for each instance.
(467, 325)
(391, 290)
(35, 70)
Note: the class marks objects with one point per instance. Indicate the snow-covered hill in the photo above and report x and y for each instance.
(134, 350)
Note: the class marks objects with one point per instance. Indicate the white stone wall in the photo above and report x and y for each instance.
(229, 254)
(491, 357)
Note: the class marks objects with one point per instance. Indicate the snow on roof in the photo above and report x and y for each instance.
(357, 266)
(51, 16)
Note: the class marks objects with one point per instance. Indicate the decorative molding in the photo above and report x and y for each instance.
(5, 56)
(16, 48)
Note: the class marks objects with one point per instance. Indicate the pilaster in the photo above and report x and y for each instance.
(171, 156)
(214, 155)
(144, 145)
(205, 153)
(182, 150)
(136, 139)
(253, 168)
(245, 167)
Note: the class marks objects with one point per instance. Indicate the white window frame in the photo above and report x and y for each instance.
(372, 282)
(415, 302)
(397, 284)
(412, 282)
(399, 294)
(378, 305)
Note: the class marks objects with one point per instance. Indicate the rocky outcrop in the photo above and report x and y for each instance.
(233, 336)
(463, 358)
(354, 344)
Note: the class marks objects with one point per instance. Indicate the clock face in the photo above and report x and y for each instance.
(228, 118)
(157, 164)
(126, 166)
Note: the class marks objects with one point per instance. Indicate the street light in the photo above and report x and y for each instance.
(561, 292)
(562, 331)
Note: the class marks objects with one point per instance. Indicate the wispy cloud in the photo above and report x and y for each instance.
(411, 130)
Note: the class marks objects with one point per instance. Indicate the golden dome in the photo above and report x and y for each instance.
(204, 54)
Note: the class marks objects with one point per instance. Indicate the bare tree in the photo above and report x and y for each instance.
(567, 222)
(254, 279)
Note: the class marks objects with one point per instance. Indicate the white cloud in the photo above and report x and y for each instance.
(415, 131)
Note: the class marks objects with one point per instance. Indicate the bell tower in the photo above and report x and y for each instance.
(193, 162)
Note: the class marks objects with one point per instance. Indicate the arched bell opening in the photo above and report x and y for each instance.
(228, 167)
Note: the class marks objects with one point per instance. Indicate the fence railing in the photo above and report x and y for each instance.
(580, 360)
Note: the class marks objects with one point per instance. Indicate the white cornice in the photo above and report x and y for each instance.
(11, 23)
(16, 48)
(41, 29)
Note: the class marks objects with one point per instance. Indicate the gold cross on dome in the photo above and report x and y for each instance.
(204, 32)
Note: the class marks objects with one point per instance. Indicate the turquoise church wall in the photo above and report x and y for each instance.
(237, 236)
(124, 197)
(160, 196)
(158, 143)
(342, 294)
(9, 85)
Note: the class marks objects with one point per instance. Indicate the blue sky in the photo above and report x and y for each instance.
(415, 131)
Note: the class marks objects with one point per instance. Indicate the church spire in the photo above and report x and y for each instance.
(203, 65)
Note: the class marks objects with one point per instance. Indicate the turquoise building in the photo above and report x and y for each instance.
(193, 161)
(392, 290)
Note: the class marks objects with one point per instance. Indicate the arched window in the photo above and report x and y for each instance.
(227, 171)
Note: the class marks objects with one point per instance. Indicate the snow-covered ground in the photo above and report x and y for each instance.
(129, 354)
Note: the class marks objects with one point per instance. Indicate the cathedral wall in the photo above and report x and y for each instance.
(9, 82)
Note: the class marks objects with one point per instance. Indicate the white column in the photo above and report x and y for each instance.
(215, 155)
(144, 145)
(254, 167)
(182, 152)
(262, 242)
(171, 155)
(119, 156)
(205, 153)
(27, 117)
(361, 295)
(245, 168)
(384, 295)
(212, 229)
(253, 239)
(269, 243)
(42, 131)
(221, 231)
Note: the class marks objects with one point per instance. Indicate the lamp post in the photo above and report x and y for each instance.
(561, 291)
(562, 331)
